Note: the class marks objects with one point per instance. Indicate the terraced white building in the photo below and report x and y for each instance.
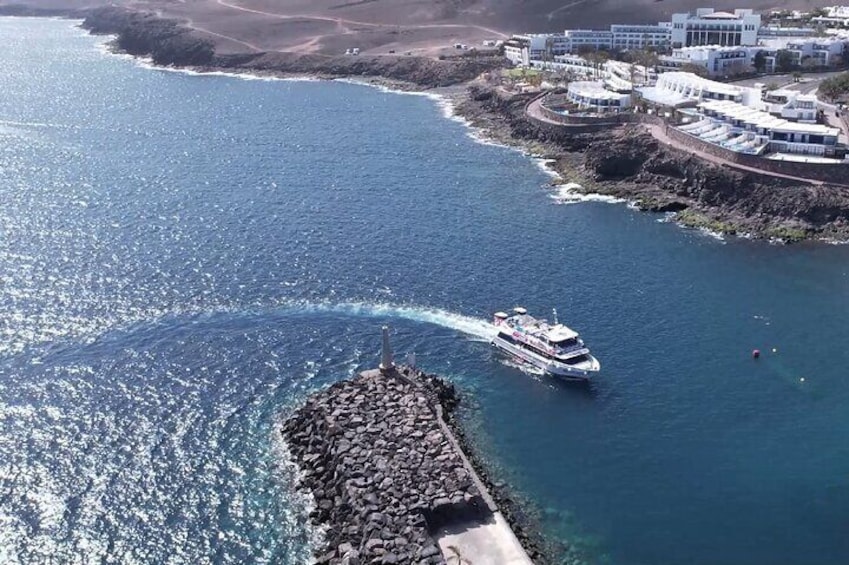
(743, 119)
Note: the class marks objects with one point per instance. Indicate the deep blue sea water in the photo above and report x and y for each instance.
(184, 258)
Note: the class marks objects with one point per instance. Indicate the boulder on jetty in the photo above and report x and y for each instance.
(382, 469)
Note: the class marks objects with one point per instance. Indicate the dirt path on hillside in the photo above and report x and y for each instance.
(343, 23)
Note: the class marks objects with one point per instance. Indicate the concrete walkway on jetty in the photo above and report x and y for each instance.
(489, 539)
(484, 539)
(482, 542)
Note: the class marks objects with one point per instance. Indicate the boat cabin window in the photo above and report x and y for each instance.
(576, 360)
(566, 342)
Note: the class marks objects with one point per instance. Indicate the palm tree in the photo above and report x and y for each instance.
(546, 55)
(647, 59)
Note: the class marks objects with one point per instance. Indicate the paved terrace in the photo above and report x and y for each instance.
(486, 539)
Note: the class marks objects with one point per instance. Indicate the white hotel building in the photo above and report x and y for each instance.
(625, 37)
(717, 60)
(707, 27)
(741, 119)
(593, 96)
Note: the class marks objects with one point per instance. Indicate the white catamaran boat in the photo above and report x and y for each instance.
(554, 348)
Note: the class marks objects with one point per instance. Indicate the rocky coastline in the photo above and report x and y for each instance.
(168, 43)
(623, 162)
(627, 162)
(384, 475)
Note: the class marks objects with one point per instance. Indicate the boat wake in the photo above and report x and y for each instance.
(86, 330)
(526, 368)
(472, 327)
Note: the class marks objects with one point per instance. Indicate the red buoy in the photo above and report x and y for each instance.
(756, 353)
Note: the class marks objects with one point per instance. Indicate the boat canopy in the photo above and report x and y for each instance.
(520, 310)
(501, 315)
(558, 333)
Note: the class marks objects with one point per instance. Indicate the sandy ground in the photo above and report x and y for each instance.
(328, 27)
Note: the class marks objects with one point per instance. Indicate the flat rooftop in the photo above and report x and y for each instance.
(761, 119)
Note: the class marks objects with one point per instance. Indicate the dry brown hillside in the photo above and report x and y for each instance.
(381, 26)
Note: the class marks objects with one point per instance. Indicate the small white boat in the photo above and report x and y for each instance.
(554, 348)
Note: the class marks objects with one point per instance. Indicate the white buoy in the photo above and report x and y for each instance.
(801, 380)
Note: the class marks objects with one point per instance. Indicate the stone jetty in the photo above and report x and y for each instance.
(390, 482)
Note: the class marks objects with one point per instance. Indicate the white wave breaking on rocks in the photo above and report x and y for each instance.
(570, 193)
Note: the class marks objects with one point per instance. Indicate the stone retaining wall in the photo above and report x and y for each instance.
(591, 124)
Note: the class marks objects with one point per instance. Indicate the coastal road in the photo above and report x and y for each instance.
(809, 83)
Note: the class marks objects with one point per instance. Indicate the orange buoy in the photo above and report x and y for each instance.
(756, 353)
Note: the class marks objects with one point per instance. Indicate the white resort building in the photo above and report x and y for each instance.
(677, 89)
(748, 130)
(743, 119)
(594, 97)
(715, 59)
(707, 27)
(629, 37)
(820, 51)
(835, 16)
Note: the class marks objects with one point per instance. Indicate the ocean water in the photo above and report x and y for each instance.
(184, 258)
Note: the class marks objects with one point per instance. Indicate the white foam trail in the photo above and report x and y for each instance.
(526, 368)
(474, 327)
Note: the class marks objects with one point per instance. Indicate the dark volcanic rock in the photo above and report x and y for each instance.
(147, 35)
(382, 470)
(423, 72)
(629, 163)
(618, 158)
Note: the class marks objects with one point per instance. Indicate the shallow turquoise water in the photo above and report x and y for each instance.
(183, 258)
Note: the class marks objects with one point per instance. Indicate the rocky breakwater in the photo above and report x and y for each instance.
(629, 163)
(385, 473)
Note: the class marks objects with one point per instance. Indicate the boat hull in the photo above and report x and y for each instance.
(583, 371)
